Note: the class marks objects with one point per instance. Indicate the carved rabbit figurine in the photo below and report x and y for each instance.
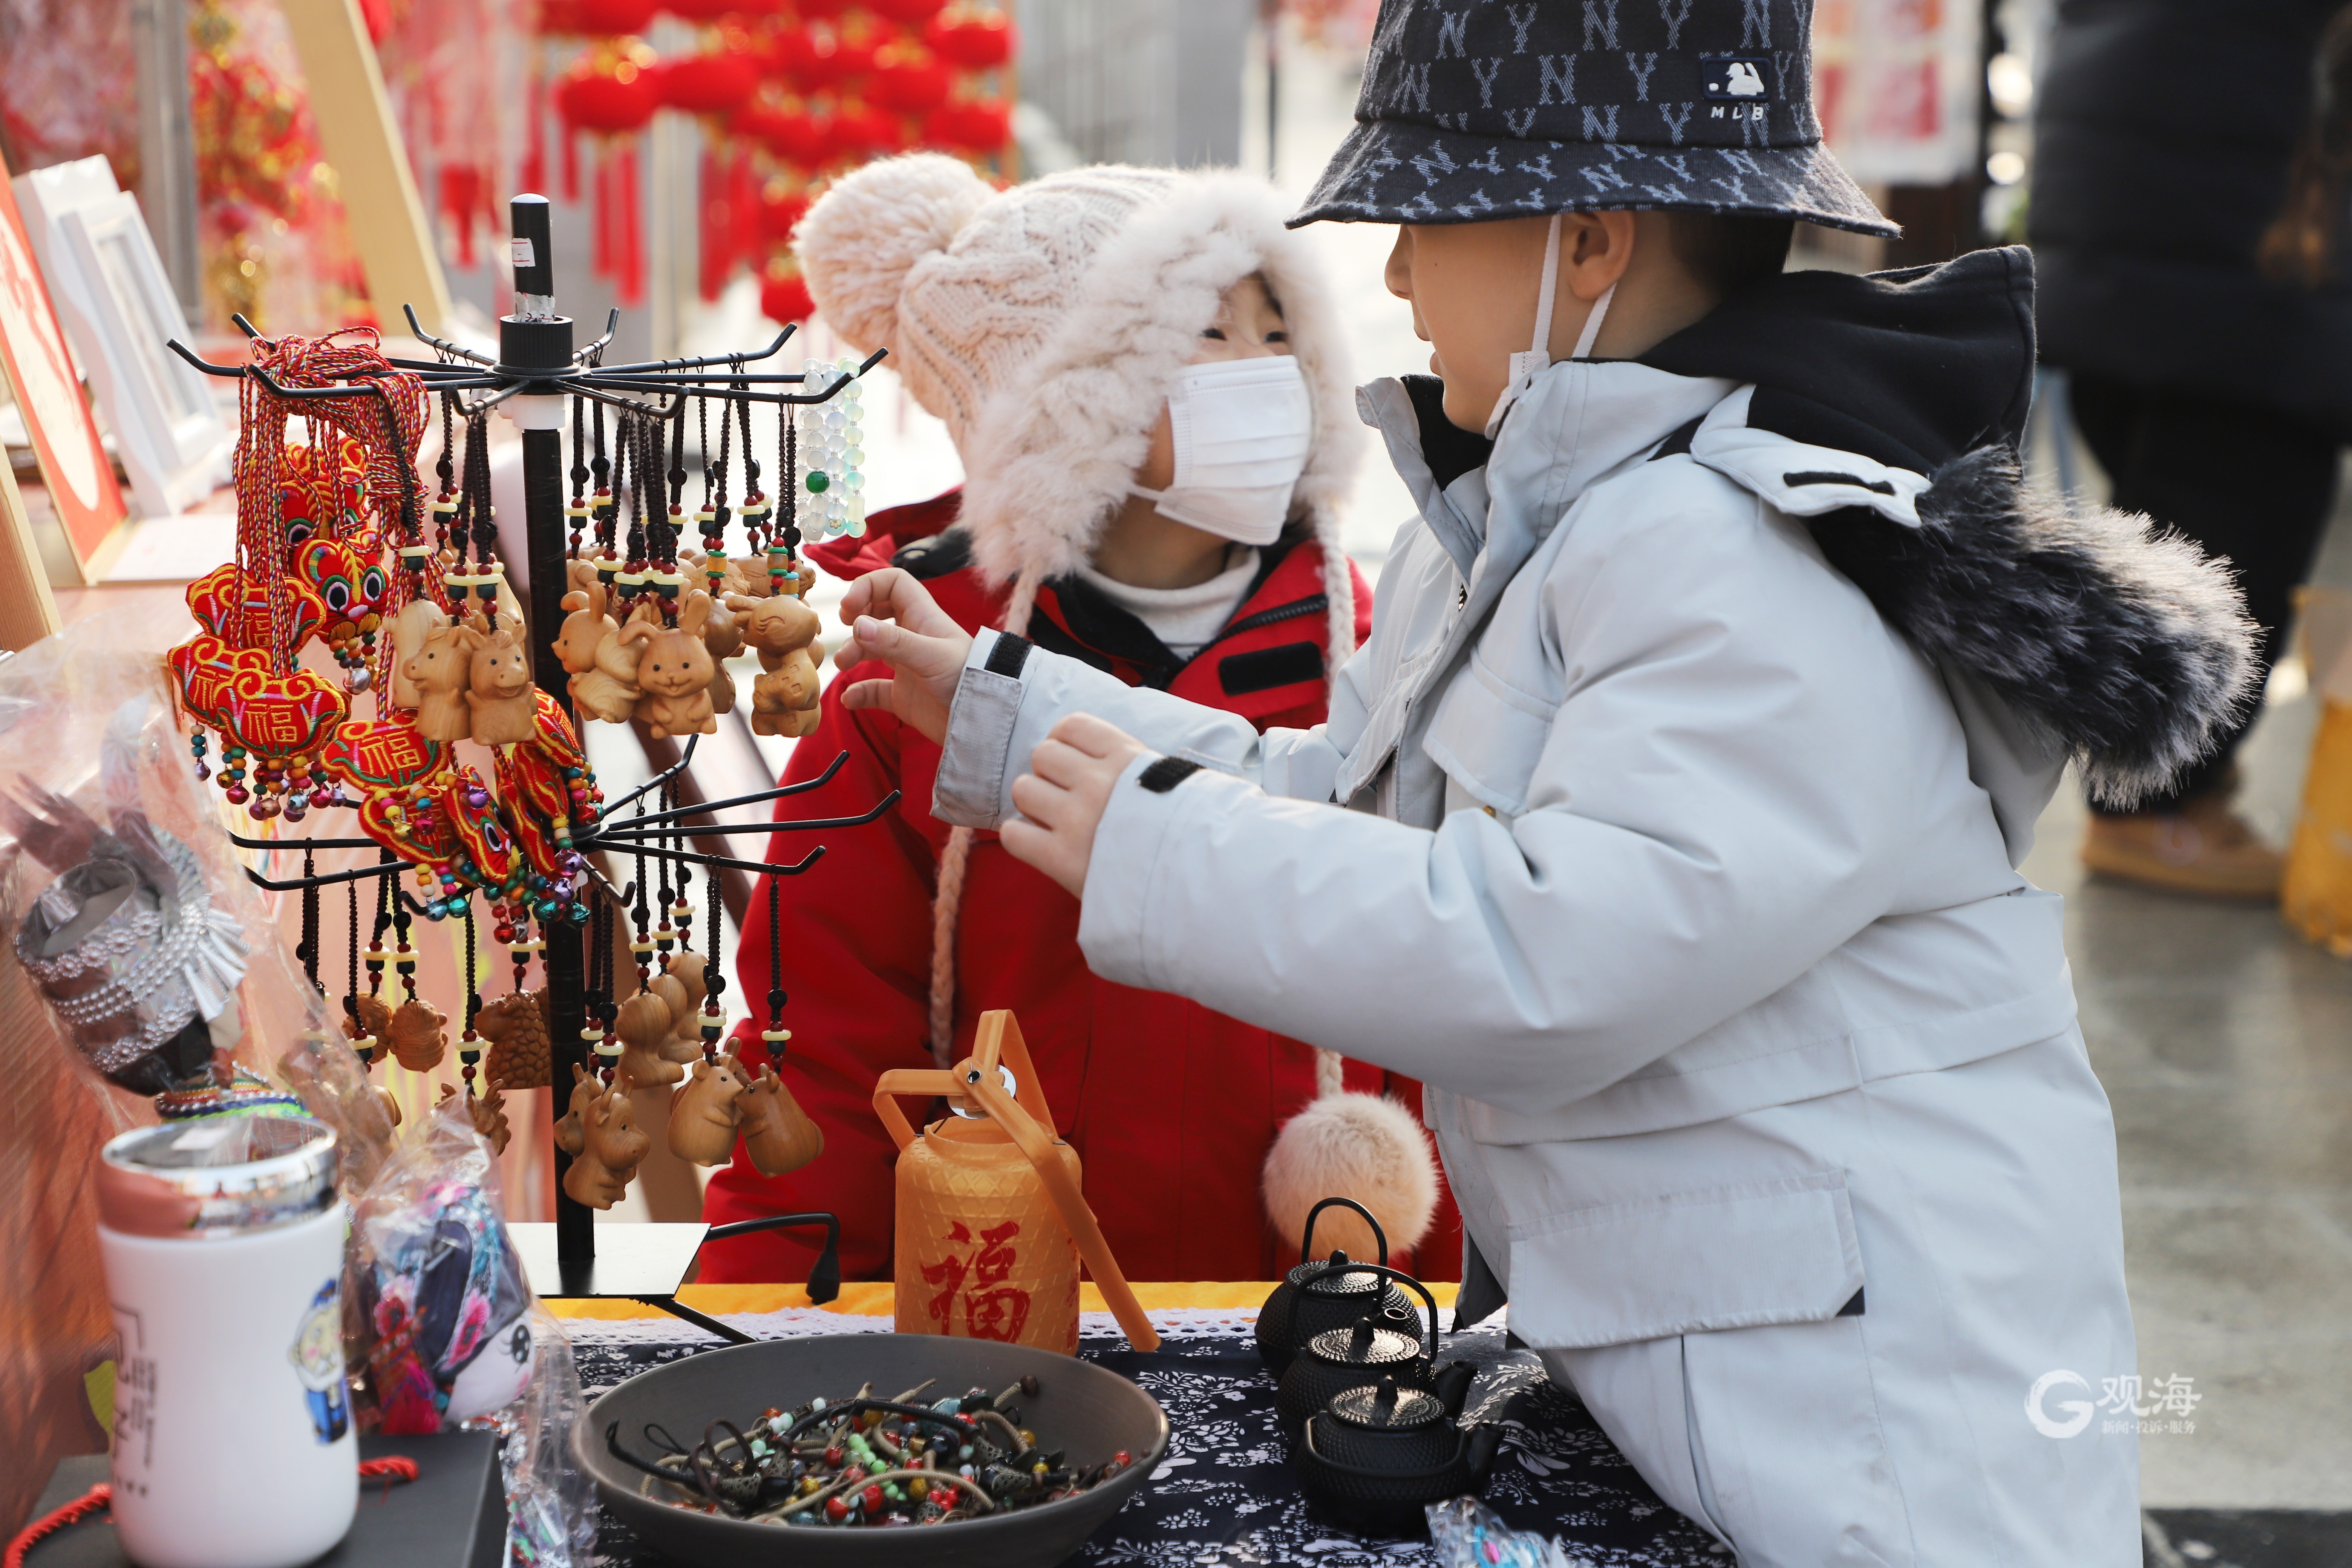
(416, 619)
(703, 1115)
(440, 670)
(603, 674)
(644, 1027)
(505, 707)
(674, 670)
(572, 1128)
(777, 1133)
(785, 631)
(612, 1147)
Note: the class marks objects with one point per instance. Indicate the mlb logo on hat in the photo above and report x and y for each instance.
(1734, 85)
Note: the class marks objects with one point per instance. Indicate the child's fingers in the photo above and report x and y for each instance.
(1096, 737)
(1041, 801)
(867, 694)
(1059, 763)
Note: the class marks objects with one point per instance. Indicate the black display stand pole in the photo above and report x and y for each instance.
(537, 369)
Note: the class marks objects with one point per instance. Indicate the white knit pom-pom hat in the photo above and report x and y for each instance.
(1041, 324)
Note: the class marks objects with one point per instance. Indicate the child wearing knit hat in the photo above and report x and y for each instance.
(1144, 376)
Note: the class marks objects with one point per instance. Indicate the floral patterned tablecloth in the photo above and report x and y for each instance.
(1226, 1495)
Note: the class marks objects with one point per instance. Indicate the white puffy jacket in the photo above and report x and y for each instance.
(1659, 821)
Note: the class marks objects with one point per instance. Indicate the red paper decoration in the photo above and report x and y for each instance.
(711, 83)
(910, 80)
(975, 43)
(785, 299)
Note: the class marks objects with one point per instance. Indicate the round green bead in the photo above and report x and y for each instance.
(817, 481)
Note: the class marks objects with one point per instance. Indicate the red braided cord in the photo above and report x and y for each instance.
(392, 1468)
(81, 1508)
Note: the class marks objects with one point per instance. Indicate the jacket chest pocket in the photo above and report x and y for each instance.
(1488, 735)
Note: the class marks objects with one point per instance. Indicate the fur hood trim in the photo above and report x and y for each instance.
(1051, 454)
(2122, 642)
(2123, 645)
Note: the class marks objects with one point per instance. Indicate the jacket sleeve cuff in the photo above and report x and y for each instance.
(974, 786)
(1155, 799)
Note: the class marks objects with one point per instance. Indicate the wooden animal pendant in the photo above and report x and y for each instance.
(368, 1030)
(571, 1127)
(704, 1115)
(777, 1133)
(682, 984)
(674, 670)
(603, 681)
(416, 1034)
(724, 640)
(505, 709)
(440, 672)
(391, 1103)
(520, 1055)
(785, 631)
(485, 1111)
(612, 1147)
(644, 1027)
(417, 619)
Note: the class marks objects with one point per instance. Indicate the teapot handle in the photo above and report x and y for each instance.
(927, 1082)
(1399, 1276)
(1306, 1242)
(1037, 1142)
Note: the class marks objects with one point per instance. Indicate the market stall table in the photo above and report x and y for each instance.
(1226, 1493)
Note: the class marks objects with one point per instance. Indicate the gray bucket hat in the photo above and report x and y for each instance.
(1472, 110)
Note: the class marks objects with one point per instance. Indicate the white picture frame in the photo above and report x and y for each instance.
(119, 308)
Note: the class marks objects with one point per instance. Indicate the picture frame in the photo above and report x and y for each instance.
(119, 309)
(74, 466)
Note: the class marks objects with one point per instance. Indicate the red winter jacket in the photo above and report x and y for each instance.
(1172, 1107)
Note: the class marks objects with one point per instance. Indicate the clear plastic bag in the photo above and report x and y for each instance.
(1469, 1535)
(158, 962)
(439, 1300)
(550, 1502)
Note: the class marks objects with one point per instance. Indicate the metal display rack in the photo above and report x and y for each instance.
(536, 371)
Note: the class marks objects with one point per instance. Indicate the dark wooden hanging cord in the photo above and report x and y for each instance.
(308, 951)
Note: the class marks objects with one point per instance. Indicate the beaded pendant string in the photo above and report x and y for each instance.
(774, 1036)
(784, 540)
(714, 978)
(307, 950)
(469, 1044)
(577, 513)
(755, 508)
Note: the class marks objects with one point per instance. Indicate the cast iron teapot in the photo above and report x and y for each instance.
(1379, 1454)
(1364, 1352)
(1331, 1293)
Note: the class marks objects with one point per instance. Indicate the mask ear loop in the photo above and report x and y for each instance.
(1526, 365)
(1593, 323)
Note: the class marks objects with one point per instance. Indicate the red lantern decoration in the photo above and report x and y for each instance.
(779, 215)
(822, 10)
(975, 43)
(910, 80)
(713, 83)
(612, 100)
(594, 18)
(786, 300)
(803, 140)
(705, 11)
(908, 13)
(857, 129)
(981, 126)
(852, 56)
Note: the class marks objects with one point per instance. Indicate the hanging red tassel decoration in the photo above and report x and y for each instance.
(534, 153)
(629, 272)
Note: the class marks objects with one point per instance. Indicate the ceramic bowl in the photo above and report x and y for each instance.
(1078, 1407)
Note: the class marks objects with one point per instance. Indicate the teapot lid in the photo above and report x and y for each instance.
(1363, 1344)
(1332, 1277)
(1385, 1407)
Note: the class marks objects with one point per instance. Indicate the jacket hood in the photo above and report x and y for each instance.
(1887, 410)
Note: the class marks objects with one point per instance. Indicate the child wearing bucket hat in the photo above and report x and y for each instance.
(1143, 373)
(1667, 826)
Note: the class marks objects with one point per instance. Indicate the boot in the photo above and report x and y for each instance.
(2201, 848)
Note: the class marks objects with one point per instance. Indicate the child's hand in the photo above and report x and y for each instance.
(1063, 794)
(926, 650)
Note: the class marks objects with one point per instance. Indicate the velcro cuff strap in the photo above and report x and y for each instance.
(1166, 773)
(1007, 656)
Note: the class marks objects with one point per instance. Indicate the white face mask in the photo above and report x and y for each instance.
(1243, 428)
(1537, 359)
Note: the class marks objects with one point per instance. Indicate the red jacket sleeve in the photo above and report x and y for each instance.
(855, 951)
